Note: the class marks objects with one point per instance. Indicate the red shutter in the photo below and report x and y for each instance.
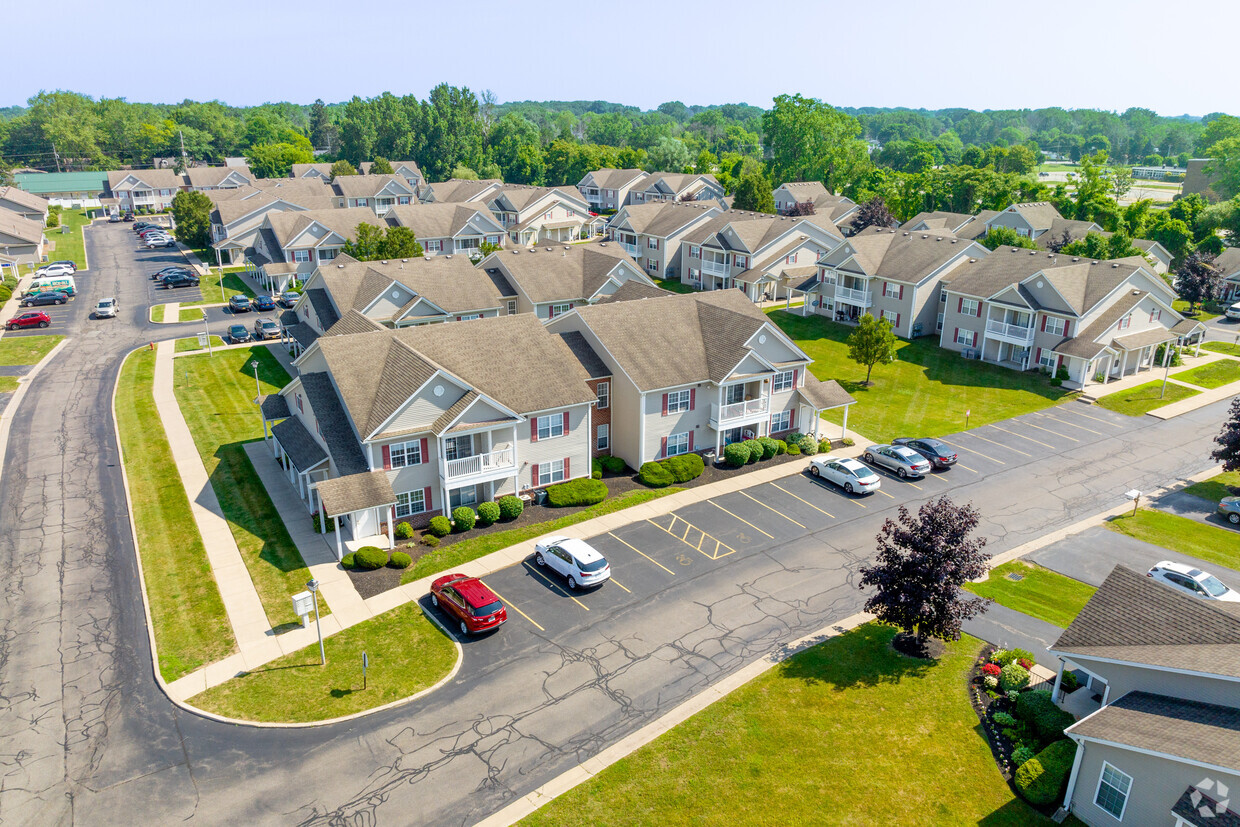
(884, 288)
(426, 498)
(897, 320)
(534, 474)
(662, 448)
(665, 404)
(551, 312)
(975, 338)
(1067, 327)
(796, 374)
(387, 457)
(901, 296)
(1043, 324)
(1037, 357)
(956, 335)
(566, 422)
(1059, 364)
(960, 304)
(570, 305)
(534, 429)
(691, 441)
(792, 419)
(567, 475)
(979, 310)
(425, 453)
(692, 398)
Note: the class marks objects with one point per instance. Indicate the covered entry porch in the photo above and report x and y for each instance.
(361, 505)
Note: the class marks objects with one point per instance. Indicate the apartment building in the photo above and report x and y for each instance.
(551, 281)
(144, 189)
(306, 239)
(18, 202)
(610, 189)
(205, 179)
(651, 233)
(537, 215)
(675, 186)
(797, 195)
(22, 241)
(460, 190)
(449, 228)
(378, 193)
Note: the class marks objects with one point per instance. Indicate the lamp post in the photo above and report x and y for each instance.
(258, 391)
(313, 586)
(206, 329)
(221, 284)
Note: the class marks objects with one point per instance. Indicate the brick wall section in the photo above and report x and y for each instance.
(600, 417)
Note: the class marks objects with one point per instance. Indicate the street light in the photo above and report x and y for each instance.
(258, 391)
(206, 329)
(313, 586)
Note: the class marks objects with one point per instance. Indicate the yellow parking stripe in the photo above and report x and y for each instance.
(1049, 431)
(643, 554)
(742, 519)
(807, 502)
(554, 586)
(715, 554)
(1022, 436)
(965, 467)
(979, 453)
(777, 511)
(621, 585)
(513, 606)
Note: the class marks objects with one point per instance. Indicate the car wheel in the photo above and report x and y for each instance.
(903, 474)
(434, 600)
(538, 558)
(813, 470)
(1234, 519)
(464, 628)
(42, 324)
(572, 582)
(59, 302)
(848, 487)
(869, 459)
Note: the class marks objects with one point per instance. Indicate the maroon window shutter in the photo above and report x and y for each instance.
(571, 305)
(796, 375)
(956, 335)
(975, 338)
(534, 474)
(426, 498)
(663, 448)
(884, 288)
(665, 404)
(1043, 324)
(897, 320)
(534, 429)
(692, 398)
(425, 452)
(979, 310)
(1067, 327)
(566, 422)
(551, 312)
(960, 304)
(792, 419)
(460, 318)
(901, 292)
(387, 457)
(567, 475)
(1059, 364)
(691, 441)
(1037, 357)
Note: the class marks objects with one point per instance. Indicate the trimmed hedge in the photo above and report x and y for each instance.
(736, 454)
(769, 447)
(403, 531)
(440, 526)
(1038, 710)
(596, 469)
(755, 449)
(684, 467)
(463, 519)
(369, 558)
(1013, 676)
(655, 475)
(576, 492)
(808, 445)
(488, 513)
(612, 465)
(349, 560)
(400, 560)
(1022, 754)
(1041, 779)
(824, 446)
(430, 540)
(510, 507)
(782, 447)
(794, 449)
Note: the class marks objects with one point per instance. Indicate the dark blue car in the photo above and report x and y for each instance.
(264, 303)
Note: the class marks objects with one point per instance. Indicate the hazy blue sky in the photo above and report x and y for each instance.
(1107, 54)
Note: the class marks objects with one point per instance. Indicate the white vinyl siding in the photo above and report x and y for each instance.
(783, 381)
(781, 421)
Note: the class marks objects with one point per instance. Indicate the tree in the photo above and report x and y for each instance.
(1056, 245)
(341, 167)
(801, 208)
(372, 243)
(381, 166)
(323, 132)
(1173, 234)
(754, 193)
(1005, 236)
(669, 155)
(873, 213)
(872, 343)
(1198, 279)
(276, 160)
(400, 242)
(191, 212)
(1099, 247)
(1224, 167)
(1228, 440)
(922, 565)
(811, 141)
(1121, 181)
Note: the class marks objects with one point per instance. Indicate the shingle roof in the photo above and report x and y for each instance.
(663, 218)
(821, 395)
(274, 406)
(1207, 733)
(451, 283)
(939, 219)
(438, 219)
(1228, 261)
(342, 444)
(367, 186)
(1041, 215)
(356, 492)
(905, 256)
(156, 178)
(459, 189)
(1089, 342)
(1132, 618)
(1144, 338)
(21, 228)
(614, 179)
(580, 348)
(521, 196)
(286, 226)
(301, 448)
(1189, 809)
(565, 272)
(31, 201)
(1076, 230)
(212, 176)
(804, 190)
(675, 182)
(353, 322)
(633, 289)
(323, 308)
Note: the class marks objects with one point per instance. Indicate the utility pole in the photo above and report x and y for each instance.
(184, 164)
(57, 156)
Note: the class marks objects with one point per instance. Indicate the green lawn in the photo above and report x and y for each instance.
(69, 246)
(210, 285)
(26, 350)
(157, 312)
(186, 345)
(8, 384)
(1211, 375)
(848, 732)
(193, 313)
(1040, 592)
(216, 396)
(674, 285)
(1217, 487)
(406, 652)
(1202, 313)
(1228, 348)
(187, 615)
(1142, 399)
(1205, 542)
(925, 392)
(450, 557)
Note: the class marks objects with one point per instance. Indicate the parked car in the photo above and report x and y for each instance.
(1192, 581)
(475, 607)
(105, 309)
(139, 226)
(57, 269)
(127, 217)
(65, 263)
(169, 270)
(266, 329)
(1229, 507)
(904, 461)
(145, 230)
(575, 559)
(160, 241)
(939, 453)
(264, 303)
(114, 219)
(238, 334)
(1233, 312)
(239, 304)
(41, 299)
(36, 319)
(173, 280)
(848, 474)
(289, 298)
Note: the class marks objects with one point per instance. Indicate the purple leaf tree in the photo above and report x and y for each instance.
(1228, 440)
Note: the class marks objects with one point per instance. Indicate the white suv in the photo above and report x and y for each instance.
(1192, 581)
(575, 559)
(106, 309)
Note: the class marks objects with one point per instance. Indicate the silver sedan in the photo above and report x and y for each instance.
(905, 462)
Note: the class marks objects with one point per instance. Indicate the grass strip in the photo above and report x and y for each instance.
(26, 350)
(1211, 375)
(1040, 592)
(1142, 399)
(1213, 544)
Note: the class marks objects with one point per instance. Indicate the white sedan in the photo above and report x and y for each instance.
(1192, 581)
(848, 474)
(1233, 312)
(53, 270)
(575, 559)
(106, 309)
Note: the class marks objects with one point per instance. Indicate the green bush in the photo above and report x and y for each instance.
(403, 531)
(314, 522)
(1005, 656)
(463, 519)
(488, 513)
(1003, 719)
(1160, 354)
(848, 443)
(684, 467)
(510, 507)
(793, 436)
(755, 449)
(769, 447)
(1069, 682)
(440, 526)
(808, 445)
(349, 560)
(576, 492)
(430, 540)
(612, 465)
(1013, 676)
(794, 450)
(1040, 780)
(736, 454)
(824, 446)
(1038, 710)
(781, 447)
(1022, 754)
(53, 218)
(655, 475)
(369, 558)
(400, 560)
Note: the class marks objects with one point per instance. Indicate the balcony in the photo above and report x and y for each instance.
(1017, 334)
(631, 249)
(861, 298)
(483, 466)
(739, 413)
(715, 268)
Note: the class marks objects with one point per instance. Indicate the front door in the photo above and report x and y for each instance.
(458, 447)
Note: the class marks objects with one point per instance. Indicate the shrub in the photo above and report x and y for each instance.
(736, 454)
(848, 443)
(1062, 374)
(612, 465)
(1013, 676)
(991, 669)
(53, 218)
(769, 447)
(596, 469)
(1022, 754)
(990, 682)
(755, 449)
(684, 467)
(349, 560)
(1012, 695)
(1026, 663)
(655, 475)
(430, 540)
(400, 560)
(1003, 719)
(1039, 711)
(1069, 682)
(1040, 779)
(488, 513)
(510, 507)
(808, 445)
(794, 449)
(794, 436)
(783, 447)
(369, 558)
(440, 526)
(1160, 354)
(403, 531)
(824, 446)
(314, 522)
(463, 519)
(1005, 656)
(576, 492)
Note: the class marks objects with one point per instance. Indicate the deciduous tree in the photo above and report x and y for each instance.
(191, 211)
(1228, 440)
(1198, 279)
(872, 343)
(999, 236)
(873, 213)
(381, 166)
(342, 167)
(812, 141)
(754, 193)
(276, 160)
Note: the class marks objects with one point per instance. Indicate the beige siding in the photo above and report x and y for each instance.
(953, 319)
(659, 426)
(312, 361)
(1123, 679)
(425, 408)
(575, 445)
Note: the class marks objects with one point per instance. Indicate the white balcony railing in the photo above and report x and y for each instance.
(739, 412)
(714, 268)
(862, 298)
(489, 463)
(631, 249)
(1010, 332)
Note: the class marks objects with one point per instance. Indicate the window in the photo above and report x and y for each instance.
(695, 252)
(1048, 359)
(405, 453)
(792, 259)
(938, 324)
(678, 444)
(433, 246)
(1125, 322)
(558, 310)
(783, 381)
(891, 291)
(604, 437)
(1055, 326)
(604, 395)
(468, 317)
(678, 401)
(652, 243)
(1155, 314)
(327, 255)
(964, 337)
(892, 317)
(741, 262)
(512, 307)
(549, 472)
(458, 447)
(300, 409)
(569, 213)
(550, 426)
(301, 255)
(1113, 787)
(410, 502)
(652, 265)
(493, 239)
(968, 307)
(942, 297)
(781, 421)
(402, 199)
(547, 216)
(363, 202)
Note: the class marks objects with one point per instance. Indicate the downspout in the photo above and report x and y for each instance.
(641, 430)
(1076, 769)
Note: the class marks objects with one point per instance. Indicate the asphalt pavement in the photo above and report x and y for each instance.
(88, 738)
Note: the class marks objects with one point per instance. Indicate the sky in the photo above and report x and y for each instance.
(1103, 54)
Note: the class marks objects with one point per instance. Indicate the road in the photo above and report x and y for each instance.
(86, 736)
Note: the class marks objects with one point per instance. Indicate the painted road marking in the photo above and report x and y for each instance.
(777, 511)
(979, 453)
(1094, 418)
(965, 467)
(554, 586)
(1070, 424)
(807, 502)
(1022, 436)
(742, 519)
(1049, 431)
(1000, 444)
(618, 583)
(703, 539)
(513, 606)
(643, 554)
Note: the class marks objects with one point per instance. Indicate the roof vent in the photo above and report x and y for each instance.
(515, 251)
(1093, 262)
(954, 240)
(602, 244)
(404, 259)
(940, 238)
(924, 235)
(1035, 252)
(340, 266)
(1113, 266)
(906, 235)
(1136, 292)
(383, 262)
(565, 246)
(448, 256)
(973, 261)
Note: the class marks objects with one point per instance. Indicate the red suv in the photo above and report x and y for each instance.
(477, 608)
(33, 319)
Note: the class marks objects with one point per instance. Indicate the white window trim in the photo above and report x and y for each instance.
(969, 307)
(604, 395)
(1055, 326)
(674, 403)
(406, 448)
(966, 339)
(679, 446)
(559, 309)
(603, 437)
(1098, 789)
(1048, 359)
(409, 512)
(553, 421)
(891, 316)
(781, 421)
(778, 382)
(548, 470)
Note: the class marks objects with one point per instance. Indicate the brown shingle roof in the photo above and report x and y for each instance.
(301, 448)
(353, 322)
(906, 256)
(460, 190)
(367, 186)
(36, 203)
(24, 229)
(1041, 215)
(286, 226)
(633, 289)
(212, 176)
(557, 273)
(1208, 733)
(823, 395)
(614, 179)
(439, 219)
(580, 348)
(452, 283)
(356, 492)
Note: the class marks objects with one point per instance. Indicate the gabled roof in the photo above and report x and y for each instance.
(938, 220)
(594, 367)
(286, 226)
(749, 232)
(1228, 261)
(461, 189)
(1041, 215)
(907, 256)
(451, 283)
(213, 176)
(353, 322)
(574, 271)
(440, 219)
(12, 224)
(346, 451)
(521, 196)
(356, 492)
(1200, 732)
(803, 190)
(1076, 230)
(230, 211)
(664, 218)
(676, 183)
(153, 178)
(821, 395)
(302, 449)
(368, 186)
(634, 289)
(25, 199)
(323, 308)
(613, 179)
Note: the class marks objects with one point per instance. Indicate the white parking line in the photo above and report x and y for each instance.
(979, 453)
(1070, 424)
(1022, 436)
(1049, 431)
(1000, 444)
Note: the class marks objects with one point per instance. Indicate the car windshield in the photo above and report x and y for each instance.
(236, 330)
(593, 565)
(1213, 586)
(105, 303)
(488, 609)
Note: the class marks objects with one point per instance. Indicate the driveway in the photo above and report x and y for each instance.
(1010, 629)
(1090, 556)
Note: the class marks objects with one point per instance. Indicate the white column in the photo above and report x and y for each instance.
(844, 430)
(1058, 681)
(391, 529)
(339, 542)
